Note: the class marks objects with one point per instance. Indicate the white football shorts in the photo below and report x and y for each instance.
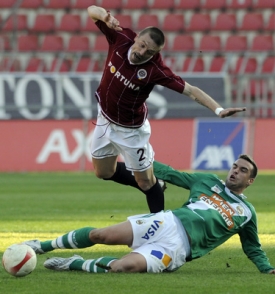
(133, 144)
(161, 239)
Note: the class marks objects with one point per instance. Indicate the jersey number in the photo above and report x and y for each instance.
(141, 153)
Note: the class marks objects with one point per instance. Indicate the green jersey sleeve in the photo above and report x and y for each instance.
(251, 244)
(175, 177)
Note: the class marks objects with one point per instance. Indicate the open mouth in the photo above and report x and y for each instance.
(232, 177)
(136, 56)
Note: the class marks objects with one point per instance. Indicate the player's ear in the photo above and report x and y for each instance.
(250, 181)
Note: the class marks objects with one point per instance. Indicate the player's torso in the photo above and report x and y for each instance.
(125, 87)
(213, 201)
(127, 82)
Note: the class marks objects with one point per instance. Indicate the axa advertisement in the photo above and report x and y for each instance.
(186, 144)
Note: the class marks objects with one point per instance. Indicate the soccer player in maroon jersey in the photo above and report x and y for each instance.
(133, 67)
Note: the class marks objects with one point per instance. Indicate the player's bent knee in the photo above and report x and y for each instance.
(104, 174)
(97, 236)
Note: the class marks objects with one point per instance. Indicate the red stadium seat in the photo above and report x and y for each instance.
(32, 4)
(60, 4)
(183, 43)
(199, 22)
(210, 43)
(5, 43)
(193, 64)
(98, 65)
(245, 65)
(225, 22)
(270, 26)
(78, 43)
(239, 4)
(52, 43)
(236, 43)
(44, 23)
(7, 3)
(60, 65)
(35, 64)
(85, 64)
(9, 64)
(70, 23)
(27, 43)
(89, 26)
(217, 64)
(101, 44)
(262, 43)
(171, 62)
(173, 22)
(162, 4)
(134, 4)
(213, 4)
(16, 23)
(125, 20)
(263, 4)
(268, 65)
(83, 4)
(252, 22)
(146, 20)
(188, 5)
(112, 4)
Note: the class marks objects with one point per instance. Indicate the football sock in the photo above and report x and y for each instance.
(155, 198)
(100, 265)
(123, 176)
(72, 240)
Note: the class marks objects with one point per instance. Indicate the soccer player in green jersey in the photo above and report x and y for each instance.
(164, 241)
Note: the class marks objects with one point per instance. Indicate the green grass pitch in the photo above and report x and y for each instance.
(46, 205)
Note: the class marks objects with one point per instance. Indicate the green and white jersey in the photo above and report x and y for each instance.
(213, 214)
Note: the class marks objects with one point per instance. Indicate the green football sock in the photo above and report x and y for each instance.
(99, 265)
(72, 240)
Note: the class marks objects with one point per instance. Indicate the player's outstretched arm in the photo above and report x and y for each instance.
(272, 272)
(204, 99)
(98, 13)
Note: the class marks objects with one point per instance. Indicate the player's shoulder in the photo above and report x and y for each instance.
(127, 33)
(207, 176)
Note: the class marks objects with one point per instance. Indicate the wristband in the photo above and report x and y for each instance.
(218, 110)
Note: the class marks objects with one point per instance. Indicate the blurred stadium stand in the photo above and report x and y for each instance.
(233, 37)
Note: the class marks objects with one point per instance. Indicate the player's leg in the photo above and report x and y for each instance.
(120, 234)
(109, 169)
(104, 155)
(130, 263)
(152, 189)
(139, 156)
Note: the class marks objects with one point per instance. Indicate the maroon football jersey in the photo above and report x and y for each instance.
(124, 87)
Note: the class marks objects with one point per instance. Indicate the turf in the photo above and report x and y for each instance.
(46, 205)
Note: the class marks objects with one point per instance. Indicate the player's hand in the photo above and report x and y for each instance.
(230, 111)
(272, 272)
(112, 22)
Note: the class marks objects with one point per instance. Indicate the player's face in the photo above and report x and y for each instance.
(143, 49)
(238, 177)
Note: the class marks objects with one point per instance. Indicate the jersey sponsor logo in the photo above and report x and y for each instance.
(122, 78)
(142, 74)
(220, 205)
(112, 69)
(140, 221)
(152, 229)
(216, 189)
(165, 258)
(218, 143)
